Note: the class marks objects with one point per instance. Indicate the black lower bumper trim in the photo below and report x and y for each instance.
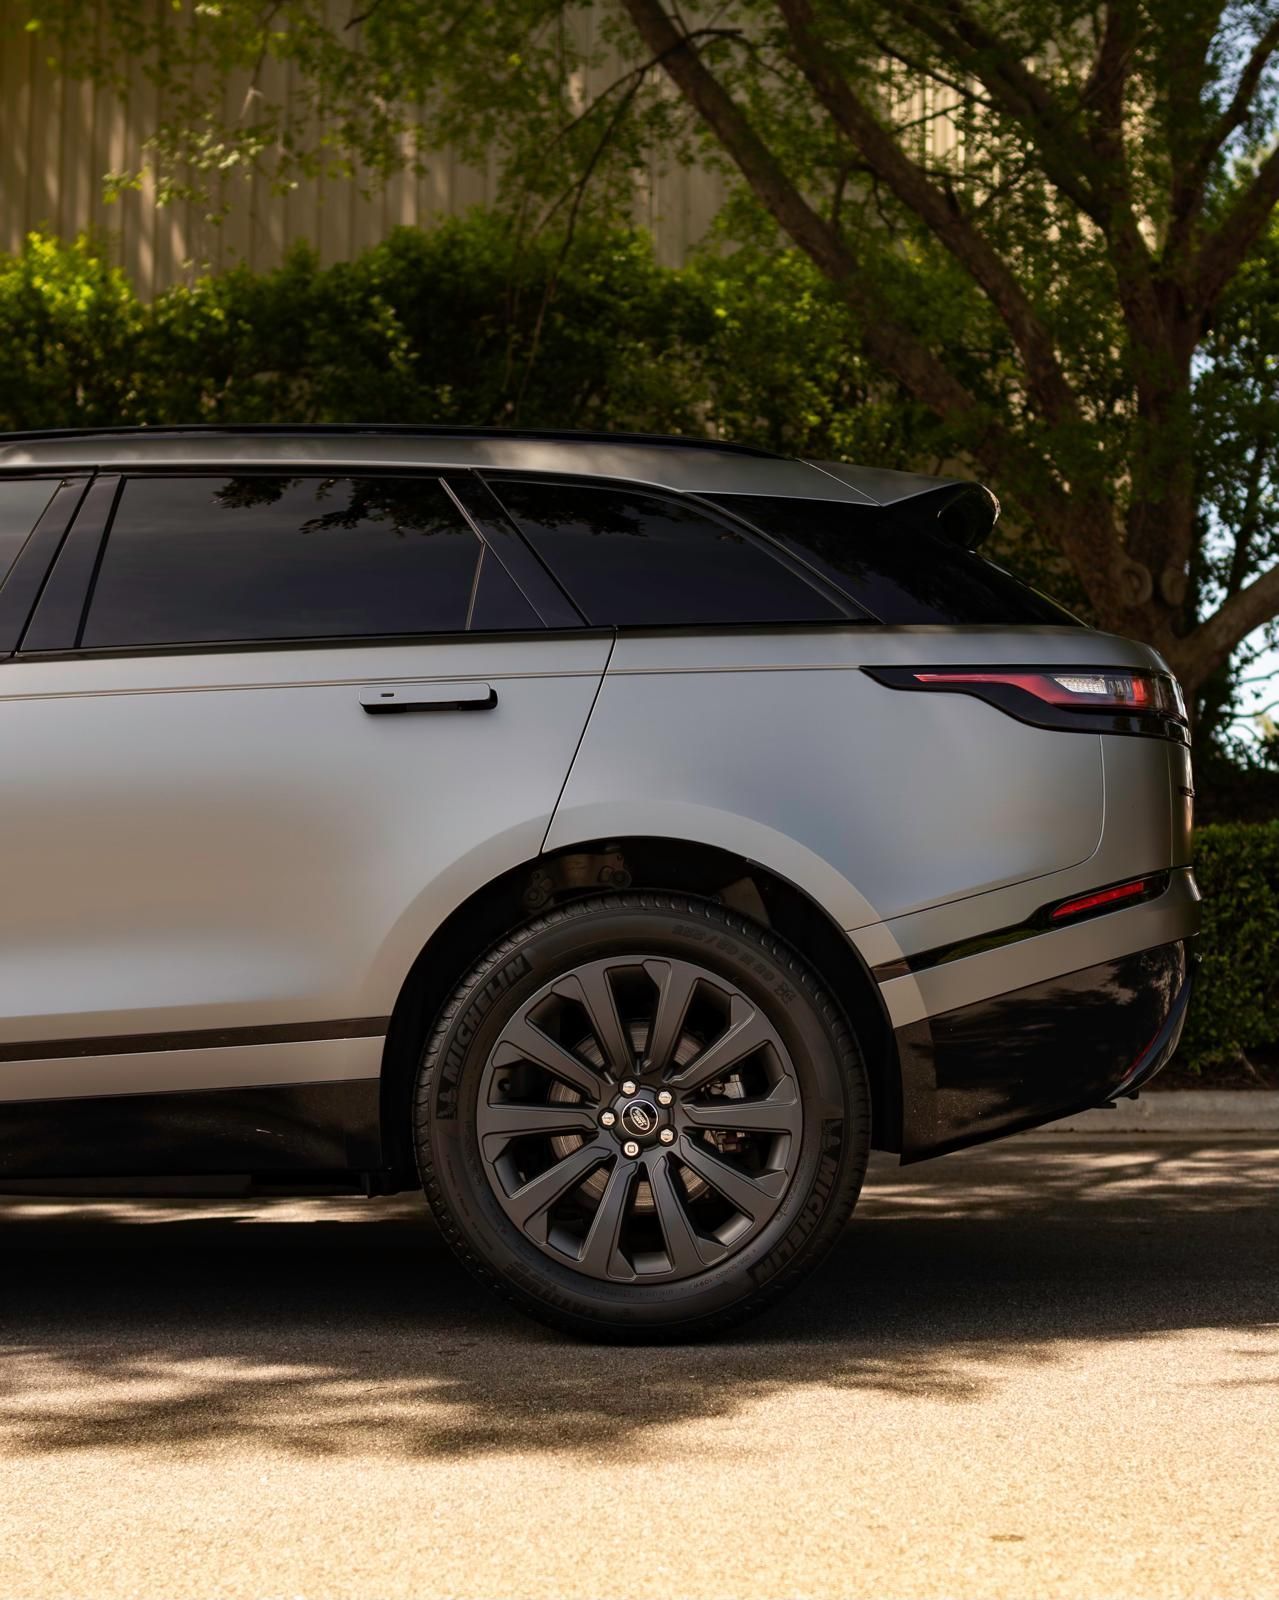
(1161, 1049)
(1033, 1055)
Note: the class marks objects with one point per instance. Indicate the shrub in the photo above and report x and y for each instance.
(1236, 1003)
(70, 334)
(464, 323)
(460, 324)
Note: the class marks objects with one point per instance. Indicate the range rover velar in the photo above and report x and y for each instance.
(618, 836)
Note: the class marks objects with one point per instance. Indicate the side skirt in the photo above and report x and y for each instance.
(295, 1128)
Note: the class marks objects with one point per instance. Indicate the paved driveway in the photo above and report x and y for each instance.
(1048, 1368)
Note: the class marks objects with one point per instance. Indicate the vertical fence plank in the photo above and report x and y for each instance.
(59, 139)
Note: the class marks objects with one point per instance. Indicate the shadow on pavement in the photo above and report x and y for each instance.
(340, 1328)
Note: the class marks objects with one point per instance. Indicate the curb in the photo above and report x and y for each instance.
(1183, 1111)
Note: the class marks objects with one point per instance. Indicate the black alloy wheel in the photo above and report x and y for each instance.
(641, 1116)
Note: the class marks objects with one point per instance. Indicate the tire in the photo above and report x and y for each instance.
(641, 1117)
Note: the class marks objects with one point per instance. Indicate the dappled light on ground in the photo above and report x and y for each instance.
(340, 1326)
(1013, 1354)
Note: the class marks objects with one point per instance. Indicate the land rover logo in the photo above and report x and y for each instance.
(639, 1118)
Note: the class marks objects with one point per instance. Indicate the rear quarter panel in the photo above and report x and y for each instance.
(876, 802)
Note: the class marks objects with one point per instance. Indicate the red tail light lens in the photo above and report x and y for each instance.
(1082, 700)
(1120, 691)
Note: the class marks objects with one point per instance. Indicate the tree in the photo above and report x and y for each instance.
(1237, 469)
(1034, 211)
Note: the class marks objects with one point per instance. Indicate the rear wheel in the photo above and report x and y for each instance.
(641, 1116)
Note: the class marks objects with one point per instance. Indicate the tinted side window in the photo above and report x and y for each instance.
(190, 560)
(21, 502)
(888, 560)
(641, 560)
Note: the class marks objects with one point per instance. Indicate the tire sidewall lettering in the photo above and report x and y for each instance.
(462, 1035)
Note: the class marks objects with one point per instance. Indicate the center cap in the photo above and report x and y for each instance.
(639, 1118)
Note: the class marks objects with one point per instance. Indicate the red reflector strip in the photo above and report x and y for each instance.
(1102, 897)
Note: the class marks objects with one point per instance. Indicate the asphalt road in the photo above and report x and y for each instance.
(1048, 1368)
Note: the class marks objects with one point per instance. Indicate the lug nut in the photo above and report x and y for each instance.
(664, 1097)
(628, 1087)
(667, 1136)
(630, 1148)
(607, 1119)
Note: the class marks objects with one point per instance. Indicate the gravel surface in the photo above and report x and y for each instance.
(1041, 1369)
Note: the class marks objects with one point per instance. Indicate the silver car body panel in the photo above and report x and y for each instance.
(204, 841)
(201, 845)
(311, 895)
(243, 1066)
(914, 820)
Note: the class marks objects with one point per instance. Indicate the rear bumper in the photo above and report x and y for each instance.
(1048, 1050)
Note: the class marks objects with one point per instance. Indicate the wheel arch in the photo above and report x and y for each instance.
(636, 862)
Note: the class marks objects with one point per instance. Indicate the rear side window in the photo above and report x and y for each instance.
(21, 502)
(640, 560)
(889, 560)
(192, 560)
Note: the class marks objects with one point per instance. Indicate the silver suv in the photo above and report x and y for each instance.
(619, 836)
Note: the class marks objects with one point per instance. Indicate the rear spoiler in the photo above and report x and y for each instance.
(961, 511)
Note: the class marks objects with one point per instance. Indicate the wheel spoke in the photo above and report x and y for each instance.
(753, 1196)
(586, 1030)
(686, 1251)
(747, 1030)
(675, 982)
(600, 1254)
(527, 1206)
(590, 987)
(780, 1112)
(522, 1041)
(498, 1123)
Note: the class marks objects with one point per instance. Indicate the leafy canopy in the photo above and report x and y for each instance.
(1037, 216)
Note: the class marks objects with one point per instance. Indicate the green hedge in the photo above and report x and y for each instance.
(465, 323)
(1236, 1004)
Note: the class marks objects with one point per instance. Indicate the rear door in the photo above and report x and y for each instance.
(263, 733)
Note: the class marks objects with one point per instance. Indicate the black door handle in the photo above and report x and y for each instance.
(394, 699)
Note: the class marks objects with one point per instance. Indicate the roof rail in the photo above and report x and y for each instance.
(396, 429)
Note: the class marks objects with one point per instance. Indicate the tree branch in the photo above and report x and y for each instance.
(1224, 250)
(924, 375)
(1087, 537)
(761, 169)
(1191, 175)
(578, 189)
(1213, 641)
(1011, 84)
(1249, 80)
(1081, 168)
(1107, 83)
(1105, 91)
(1250, 516)
(923, 69)
(938, 211)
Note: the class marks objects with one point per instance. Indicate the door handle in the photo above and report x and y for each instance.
(394, 699)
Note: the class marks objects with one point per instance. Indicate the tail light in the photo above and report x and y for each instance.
(1080, 700)
(1119, 894)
